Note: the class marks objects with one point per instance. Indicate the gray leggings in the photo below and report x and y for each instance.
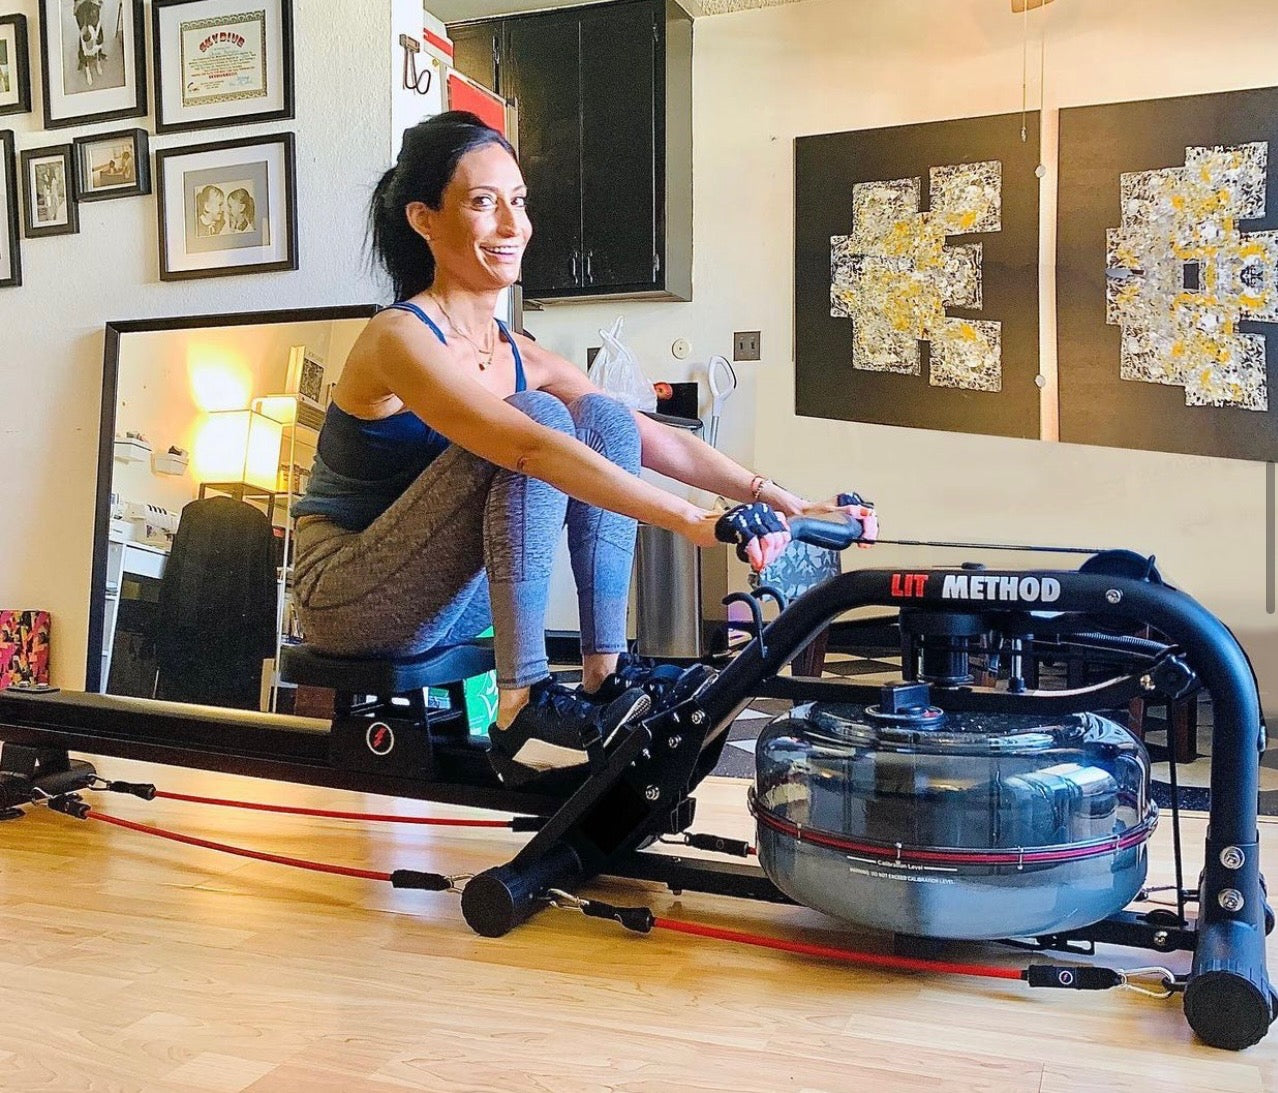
(469, 545)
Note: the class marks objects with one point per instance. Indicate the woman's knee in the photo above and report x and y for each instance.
(608, 427)
(544, 409)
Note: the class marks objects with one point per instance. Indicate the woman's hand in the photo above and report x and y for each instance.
(856, 509)
(759, 533)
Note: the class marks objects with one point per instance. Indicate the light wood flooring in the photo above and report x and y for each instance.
(130, 963)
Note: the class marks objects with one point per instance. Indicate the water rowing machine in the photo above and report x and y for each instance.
(1065, 802)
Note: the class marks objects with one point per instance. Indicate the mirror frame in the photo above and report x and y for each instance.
(106, 434)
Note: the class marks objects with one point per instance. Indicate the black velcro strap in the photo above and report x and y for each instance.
(746, 522)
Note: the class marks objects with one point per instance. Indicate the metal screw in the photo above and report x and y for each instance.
(1113, 595)
(1231, 900)
(675, 741)
(698, 717)
(653, 793)
(1232, 858)
(1147, 683)
(1161, 939)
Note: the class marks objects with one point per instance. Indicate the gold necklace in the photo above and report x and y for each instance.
(483, 353)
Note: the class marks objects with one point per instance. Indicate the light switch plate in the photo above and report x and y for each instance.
(745, 345)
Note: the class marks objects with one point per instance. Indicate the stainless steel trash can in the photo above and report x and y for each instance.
(679, 597)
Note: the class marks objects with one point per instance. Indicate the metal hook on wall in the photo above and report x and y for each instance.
(412, 78)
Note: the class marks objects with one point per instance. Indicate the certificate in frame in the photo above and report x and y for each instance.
(221, 62)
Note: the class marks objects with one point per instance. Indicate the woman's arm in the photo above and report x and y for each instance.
(676, 453)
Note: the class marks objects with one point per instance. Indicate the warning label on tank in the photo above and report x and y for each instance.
(909, 872)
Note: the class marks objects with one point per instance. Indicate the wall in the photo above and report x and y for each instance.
(761, 78)
(52, 362)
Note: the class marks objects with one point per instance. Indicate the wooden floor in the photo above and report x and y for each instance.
(129, 963)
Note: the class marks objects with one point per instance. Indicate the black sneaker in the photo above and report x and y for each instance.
(665, 684)
(559, 729)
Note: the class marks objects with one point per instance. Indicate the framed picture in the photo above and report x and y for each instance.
(228, 207)
(112, 165)
(94, 61)
(10, 255)
(221, 62)
(48, 192)
(305, 377)
(15, 70)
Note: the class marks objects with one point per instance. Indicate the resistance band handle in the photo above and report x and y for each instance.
(137, 789)
(717, 843)
(426, 882)
(638, 919)
(1076, 979)
(70, 805)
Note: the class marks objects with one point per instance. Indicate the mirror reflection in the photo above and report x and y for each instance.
(211, 432)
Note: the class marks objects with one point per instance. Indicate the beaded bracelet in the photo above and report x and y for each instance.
(758, 484)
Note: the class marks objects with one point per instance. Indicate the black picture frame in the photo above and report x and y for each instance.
(112, 42)
(262, 169)
(32, 201)
(13, 29)
(11, 253)
(130, 182)
(228, 98)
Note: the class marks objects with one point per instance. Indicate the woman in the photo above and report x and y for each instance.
(454, 450)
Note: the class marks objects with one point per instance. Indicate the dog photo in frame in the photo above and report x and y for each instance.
(94, 54)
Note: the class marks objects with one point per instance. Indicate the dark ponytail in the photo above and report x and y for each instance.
(427, 161)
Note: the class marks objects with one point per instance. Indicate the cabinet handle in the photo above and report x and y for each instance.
(574, 265)
(590, 275)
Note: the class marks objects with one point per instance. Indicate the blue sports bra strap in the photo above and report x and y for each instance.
(413, 309)
(521, 382)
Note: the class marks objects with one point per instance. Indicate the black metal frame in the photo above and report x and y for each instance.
(106, 431)
(643, 789)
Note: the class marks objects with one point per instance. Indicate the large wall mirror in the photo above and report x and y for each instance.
(208, 431)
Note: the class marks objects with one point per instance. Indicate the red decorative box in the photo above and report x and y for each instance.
(24, 647)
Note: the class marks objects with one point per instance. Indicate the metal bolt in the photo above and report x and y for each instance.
(1161, 939)
(674, 742)
(1231, 900)
(1113, 595)
(698, 717)
(1232, 858)
(1146, 683)
(653, 793)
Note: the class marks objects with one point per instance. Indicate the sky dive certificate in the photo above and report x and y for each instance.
(221, 62)
(224, 59)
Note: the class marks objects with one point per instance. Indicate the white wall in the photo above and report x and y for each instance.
(763, 77)
(51, 366)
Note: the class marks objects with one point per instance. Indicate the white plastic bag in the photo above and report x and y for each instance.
(617, 371)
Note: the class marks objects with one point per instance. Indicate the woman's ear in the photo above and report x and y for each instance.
(420, 218)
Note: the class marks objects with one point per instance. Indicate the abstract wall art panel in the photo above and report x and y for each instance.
(916, 276)
(1167, 284)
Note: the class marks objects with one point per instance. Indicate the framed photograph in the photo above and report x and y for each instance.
(228, 207)
(305, 377)
(48, 192)
(112, 165)
(10, 255)
(94, 61)
(15, 67)
(221, 62)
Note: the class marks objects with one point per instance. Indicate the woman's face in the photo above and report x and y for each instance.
(479, 233)
(213, 202)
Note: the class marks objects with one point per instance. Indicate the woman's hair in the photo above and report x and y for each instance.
(427, 161)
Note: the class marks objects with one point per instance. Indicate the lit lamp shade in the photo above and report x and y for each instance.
(239, 446)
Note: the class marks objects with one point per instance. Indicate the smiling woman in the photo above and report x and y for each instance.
(454, 450)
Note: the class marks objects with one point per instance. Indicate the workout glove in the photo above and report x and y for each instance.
(746, 522)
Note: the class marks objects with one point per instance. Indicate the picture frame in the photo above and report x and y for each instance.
(15, 65)
(229, 207)
(94, 54)
(48, 192)
(305, 377)
(10, 244)
(221, 62)
(111, 165)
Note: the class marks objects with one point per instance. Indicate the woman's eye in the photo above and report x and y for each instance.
(520, 202)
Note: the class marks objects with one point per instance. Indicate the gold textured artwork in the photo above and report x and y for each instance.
(895, 275)
(1181, 275)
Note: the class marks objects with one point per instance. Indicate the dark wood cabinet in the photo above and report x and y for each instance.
(605, 139)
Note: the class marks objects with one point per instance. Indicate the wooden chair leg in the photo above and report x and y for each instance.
(1136, 717)
(811, 660)
(1183, 728)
